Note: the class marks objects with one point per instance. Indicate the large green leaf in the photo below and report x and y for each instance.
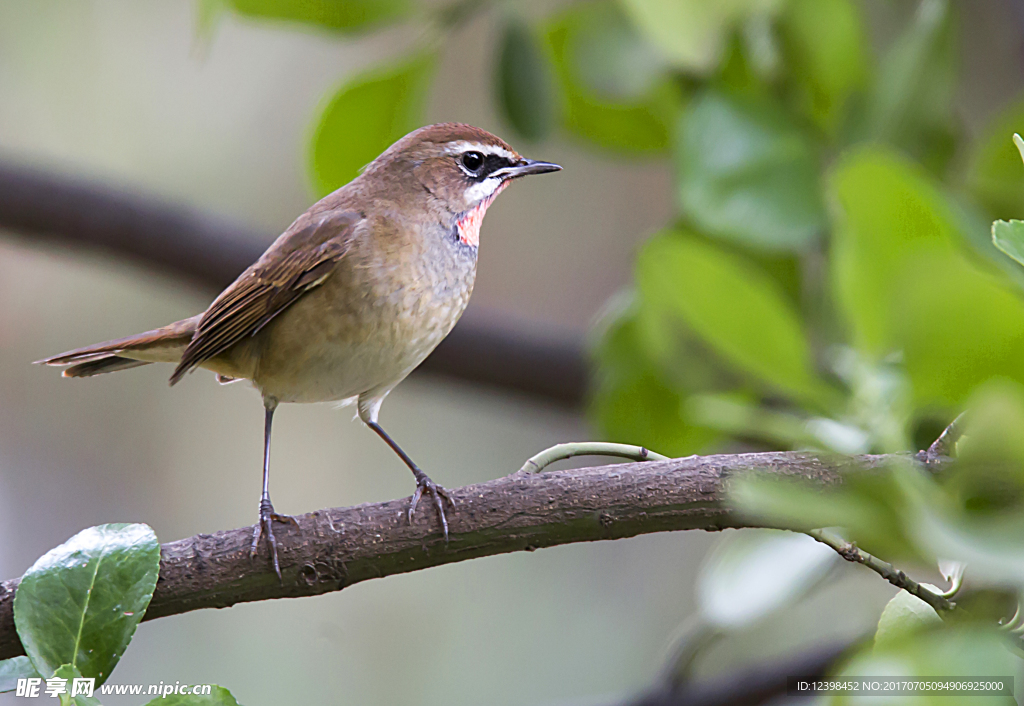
(827, 50)
(888, 212)
(911, 105)
(737, 309)
(80, 602)
(630, 104)
(747, 173)
(341, 15)
(218, 696)
(995, 175)
(523, 82)
(366, 115)
(692, 33)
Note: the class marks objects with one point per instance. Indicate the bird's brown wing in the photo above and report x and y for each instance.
(300, 260)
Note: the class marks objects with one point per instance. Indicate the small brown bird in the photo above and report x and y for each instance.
(348, 300)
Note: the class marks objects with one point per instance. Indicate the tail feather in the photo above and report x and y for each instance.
(110, 364)
(162, 345)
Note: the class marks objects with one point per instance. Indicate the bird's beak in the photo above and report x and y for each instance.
(527, 166)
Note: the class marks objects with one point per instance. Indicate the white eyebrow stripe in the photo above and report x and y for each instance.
(464, 146)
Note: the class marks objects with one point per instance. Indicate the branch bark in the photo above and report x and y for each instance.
(331, 549)
(212, 251)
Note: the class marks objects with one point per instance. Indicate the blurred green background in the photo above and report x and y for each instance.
(772, 229)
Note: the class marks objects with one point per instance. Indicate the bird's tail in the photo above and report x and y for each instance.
(162, 345)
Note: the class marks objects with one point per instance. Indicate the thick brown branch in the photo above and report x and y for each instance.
(212, 251)
(335, 548)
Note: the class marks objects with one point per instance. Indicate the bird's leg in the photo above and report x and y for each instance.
(423, 482)
(265, 526)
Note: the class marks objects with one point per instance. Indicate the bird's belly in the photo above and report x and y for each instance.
(328, 347)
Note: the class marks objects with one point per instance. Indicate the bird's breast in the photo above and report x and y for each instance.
(389, 303)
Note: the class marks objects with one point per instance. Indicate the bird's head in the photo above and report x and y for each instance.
(459, 168)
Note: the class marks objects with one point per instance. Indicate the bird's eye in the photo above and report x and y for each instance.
(473, 161)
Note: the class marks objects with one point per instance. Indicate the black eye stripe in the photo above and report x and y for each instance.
(494, 162)
(491, 164)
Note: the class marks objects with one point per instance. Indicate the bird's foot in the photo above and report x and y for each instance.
(265, 528)
(439, 495)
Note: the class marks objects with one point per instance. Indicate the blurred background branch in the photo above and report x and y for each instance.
(759, 684)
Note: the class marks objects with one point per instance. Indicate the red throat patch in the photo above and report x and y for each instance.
(469, 224)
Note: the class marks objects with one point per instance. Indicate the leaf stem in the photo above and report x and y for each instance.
(588, 448)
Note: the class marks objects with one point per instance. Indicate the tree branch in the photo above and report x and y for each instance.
(850, 552)
(334, 548)
(212, 251)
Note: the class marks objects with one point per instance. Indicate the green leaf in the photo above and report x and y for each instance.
(797, 505)
(13, 669)
(957, 327)
(69, 674)
(753, 572)
(365, 116)
(749, 419)
(692, 33)
(991, 432)
(903, 284)
(219, 696)
(975, 515)
(632, 400)
(827, 50)
(524, 82)
(339, 15)
(632, 103)
(870, 507)
(976, 229)
(1008, 236)
(991, 548)
(995, 175)
(956, 652)
(737, 309)
(905, 614)
(747, 173)
(888, 213)
(912, 102)
(80, 602)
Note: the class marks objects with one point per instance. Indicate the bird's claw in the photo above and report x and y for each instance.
(439, 495)
(265, 528)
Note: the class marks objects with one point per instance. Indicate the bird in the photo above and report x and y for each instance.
(351, 298)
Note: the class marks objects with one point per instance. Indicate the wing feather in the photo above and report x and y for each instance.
(302, 259)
